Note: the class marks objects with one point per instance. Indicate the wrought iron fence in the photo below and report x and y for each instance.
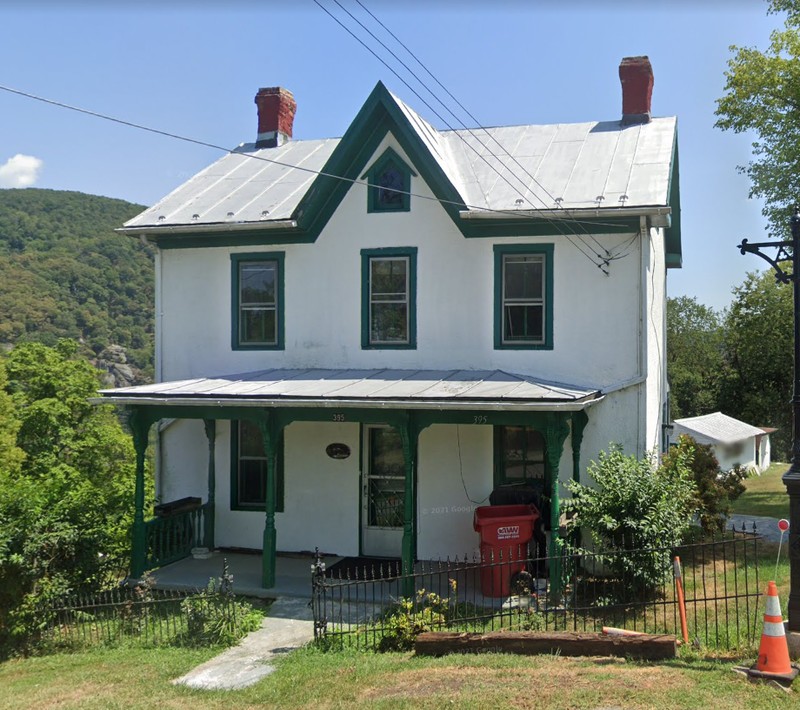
(630, 589)
(144, 615)
(153, 617)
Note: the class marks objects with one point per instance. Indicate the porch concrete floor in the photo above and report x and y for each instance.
(292, 574)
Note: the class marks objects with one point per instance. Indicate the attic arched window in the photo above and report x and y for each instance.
(389, 180)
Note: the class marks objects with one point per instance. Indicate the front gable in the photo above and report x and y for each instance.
(380, 115)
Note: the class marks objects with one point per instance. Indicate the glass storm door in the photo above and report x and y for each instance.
(383, 493)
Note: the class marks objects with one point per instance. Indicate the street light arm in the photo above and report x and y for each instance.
(782, 256)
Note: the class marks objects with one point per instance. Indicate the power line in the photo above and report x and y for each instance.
(602, 265)
(467, 111)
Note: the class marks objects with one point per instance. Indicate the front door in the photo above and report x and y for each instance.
(383, 493)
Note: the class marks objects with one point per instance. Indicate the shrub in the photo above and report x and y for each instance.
(715, 489)
(215, 617)
(411, 617)
(634, 505)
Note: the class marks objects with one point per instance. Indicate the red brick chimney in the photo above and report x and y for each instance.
(636, 76)
(276, 108)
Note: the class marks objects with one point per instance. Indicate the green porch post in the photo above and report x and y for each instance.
(409, 434)
(270, 434)
(211, 434)
(556, 431)
(579, 421)
(140, 427)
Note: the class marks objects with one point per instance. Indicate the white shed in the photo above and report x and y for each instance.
(733, 441)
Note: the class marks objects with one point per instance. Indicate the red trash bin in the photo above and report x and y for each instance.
(505, 531)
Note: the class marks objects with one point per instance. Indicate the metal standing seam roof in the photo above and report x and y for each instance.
(401, 388)
(718, 428)
(570, 166)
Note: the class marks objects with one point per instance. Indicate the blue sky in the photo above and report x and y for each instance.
(193, 68)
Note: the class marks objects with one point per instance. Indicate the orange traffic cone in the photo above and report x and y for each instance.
(773, 653)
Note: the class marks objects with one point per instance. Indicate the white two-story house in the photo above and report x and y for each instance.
(358, 339)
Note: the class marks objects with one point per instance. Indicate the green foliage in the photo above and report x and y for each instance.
(65, 273)
(216, 617)
(412, 617)
(11, 456)
(65, 510)
(759, 351)
(634, 505)
(714, 489)
(761, 93)
(695, 357)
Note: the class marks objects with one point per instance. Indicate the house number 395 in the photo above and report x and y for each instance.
(481, 419)
(338, 417)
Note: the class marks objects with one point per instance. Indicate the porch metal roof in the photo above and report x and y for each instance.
(386, 388)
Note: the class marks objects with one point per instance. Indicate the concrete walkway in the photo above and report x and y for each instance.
(288, 627)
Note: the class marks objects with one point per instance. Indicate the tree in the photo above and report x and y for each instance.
(762, 94)
(759, 352)
(715, 490)
(66, 509)
(695, 361)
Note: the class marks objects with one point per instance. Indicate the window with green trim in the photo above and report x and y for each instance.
(520, 457)
(249, 468)
(389, 180)
(524, 296)
(389, 298)
(257, 295)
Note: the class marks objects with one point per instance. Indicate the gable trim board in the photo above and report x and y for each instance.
(380, 115)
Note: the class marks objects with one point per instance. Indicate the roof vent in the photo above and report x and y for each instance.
(636, 75)
(276, 109)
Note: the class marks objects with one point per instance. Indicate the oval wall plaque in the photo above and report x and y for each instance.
(338, 451)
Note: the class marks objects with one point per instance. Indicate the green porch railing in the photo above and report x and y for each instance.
(171, 538)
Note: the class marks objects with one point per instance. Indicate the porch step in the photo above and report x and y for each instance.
(289, 626)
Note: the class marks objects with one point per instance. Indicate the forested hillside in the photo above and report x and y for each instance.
(64, 272)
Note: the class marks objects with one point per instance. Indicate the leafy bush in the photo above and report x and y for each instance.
(634, 505)
(715, 489)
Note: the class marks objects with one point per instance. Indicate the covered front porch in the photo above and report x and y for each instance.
(407, 401)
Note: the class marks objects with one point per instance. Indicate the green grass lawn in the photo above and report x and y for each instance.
(765, 494)
(309, 678)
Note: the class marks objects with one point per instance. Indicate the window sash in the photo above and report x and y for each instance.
(388, 307)
(524, 306)
(258, 302)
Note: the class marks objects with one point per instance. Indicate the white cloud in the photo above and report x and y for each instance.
(20, 171)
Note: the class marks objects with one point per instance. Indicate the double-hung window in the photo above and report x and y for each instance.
(257, 295)
(249, 468)
(389, 298)
(524, 296)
